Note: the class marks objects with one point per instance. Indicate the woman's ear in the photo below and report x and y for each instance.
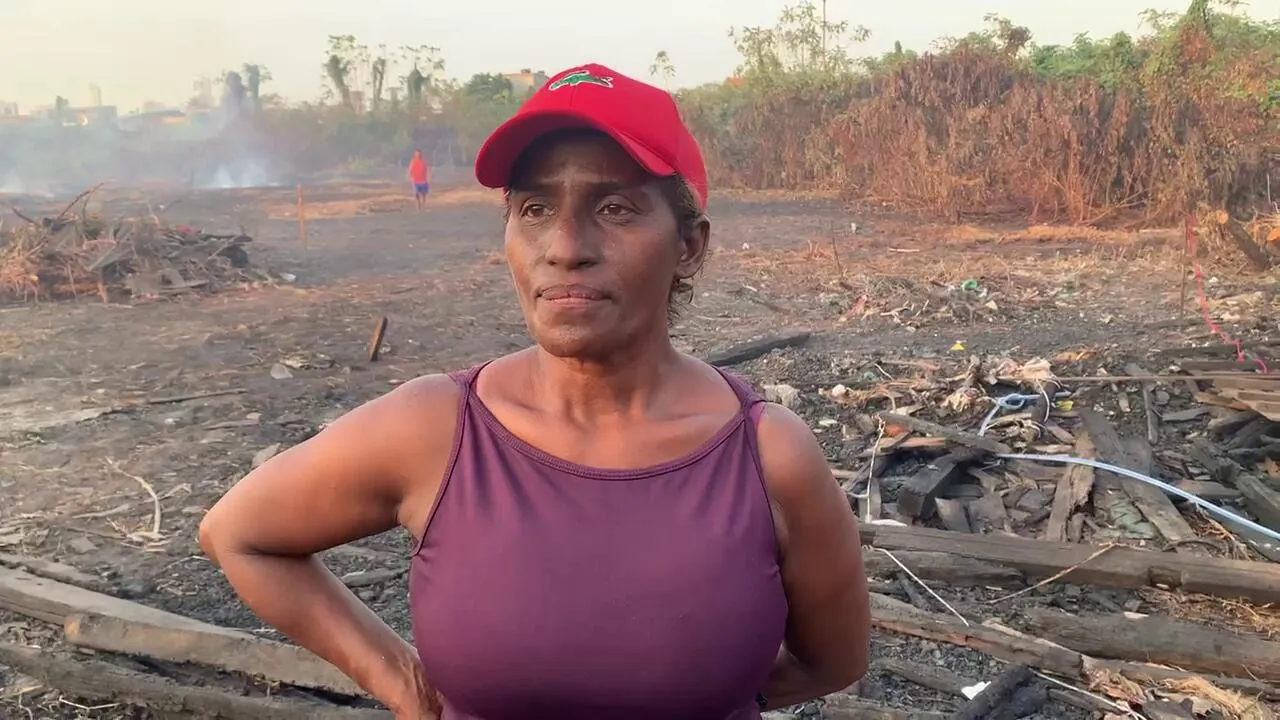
(694, 245)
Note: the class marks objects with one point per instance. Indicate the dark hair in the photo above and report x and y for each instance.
(684, 203)
(674, 189)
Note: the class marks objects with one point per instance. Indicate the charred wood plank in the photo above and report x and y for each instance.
(1118, 567)
(104, 682)
(757, 348)
(1160, 640)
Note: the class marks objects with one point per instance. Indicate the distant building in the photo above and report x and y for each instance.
(95, 96)
(9, 109)
(526, 80)
(157, 118)
(99, 115)
(203, 87)
(96, 115)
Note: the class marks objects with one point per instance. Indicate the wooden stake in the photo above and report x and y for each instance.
(375, 342)
(1189, 228)
(302, 220)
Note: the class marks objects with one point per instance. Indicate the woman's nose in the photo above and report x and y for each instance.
(571, 244)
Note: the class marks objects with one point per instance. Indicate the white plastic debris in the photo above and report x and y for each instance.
(972, 691)
(784, 395)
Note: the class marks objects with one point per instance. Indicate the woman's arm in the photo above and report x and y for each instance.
(376, 467)
(829, 623)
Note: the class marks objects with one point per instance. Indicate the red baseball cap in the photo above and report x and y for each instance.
(643, 119)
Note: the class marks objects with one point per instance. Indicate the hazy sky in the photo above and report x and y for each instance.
(138, 50)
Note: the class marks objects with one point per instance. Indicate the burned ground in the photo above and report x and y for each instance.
(122, 423)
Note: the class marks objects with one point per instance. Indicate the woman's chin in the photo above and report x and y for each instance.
(581, 340)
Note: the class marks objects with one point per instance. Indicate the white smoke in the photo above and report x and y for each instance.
(12, 184)
(241, 175)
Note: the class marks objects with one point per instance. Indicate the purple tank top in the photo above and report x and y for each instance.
(547, 589)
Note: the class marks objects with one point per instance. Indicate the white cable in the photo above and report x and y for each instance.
(1171, 489)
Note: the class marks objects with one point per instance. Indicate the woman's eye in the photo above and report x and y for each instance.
(534, 210)
(615, 209)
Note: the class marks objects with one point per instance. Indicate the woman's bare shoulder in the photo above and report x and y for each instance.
(420, 415)
(434, 396)
(366, 472)
(391, 440)
(792, 459)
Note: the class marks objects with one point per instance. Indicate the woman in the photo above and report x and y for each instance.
(607, 528)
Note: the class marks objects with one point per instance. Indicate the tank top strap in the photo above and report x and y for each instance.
(752, 401)
(466, 378)
(753, 406)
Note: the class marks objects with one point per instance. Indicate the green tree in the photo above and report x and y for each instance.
(338, 68)
(803, 41)
(1000, 35)
(255, 76)
(488, 87)
(663, 68)
(234, 92)
(423, 82)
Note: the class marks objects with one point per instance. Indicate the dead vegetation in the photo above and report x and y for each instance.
(1125, 131)
(76, 253)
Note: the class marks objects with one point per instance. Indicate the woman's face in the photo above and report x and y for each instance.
(594, 246)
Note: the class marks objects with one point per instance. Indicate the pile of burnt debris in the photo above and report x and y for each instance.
(75, 253)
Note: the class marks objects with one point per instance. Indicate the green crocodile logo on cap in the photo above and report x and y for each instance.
(581, 77)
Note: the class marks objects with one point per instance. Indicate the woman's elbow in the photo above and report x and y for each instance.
(852, 664)
(855, 669)
(859, 660)
(215, 532)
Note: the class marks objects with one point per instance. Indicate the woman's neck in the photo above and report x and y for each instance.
(589, 391)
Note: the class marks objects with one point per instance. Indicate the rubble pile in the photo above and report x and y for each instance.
(1130, 508)
(75, 254)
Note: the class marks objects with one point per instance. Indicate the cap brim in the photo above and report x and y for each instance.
(498, 155)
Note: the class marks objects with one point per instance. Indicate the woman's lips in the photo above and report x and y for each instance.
(572, 294)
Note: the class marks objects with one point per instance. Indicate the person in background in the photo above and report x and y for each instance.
(420, 175)
(604, 527)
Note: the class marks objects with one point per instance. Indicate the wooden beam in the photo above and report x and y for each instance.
(848, 707)
(1151, 501)
(1016, 693)
(1186, 645)
(916, 496)
(897, 616)
(53, 602)
(756, 348)
(1148, 403)
(1205, 455)
(124, 626)
(104, 682)
(959, 437)
(50, 569)
(225, 651)
(944, 568)
(1073, 490)
(931, 676)
(1118, 567)
(1261, 499)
